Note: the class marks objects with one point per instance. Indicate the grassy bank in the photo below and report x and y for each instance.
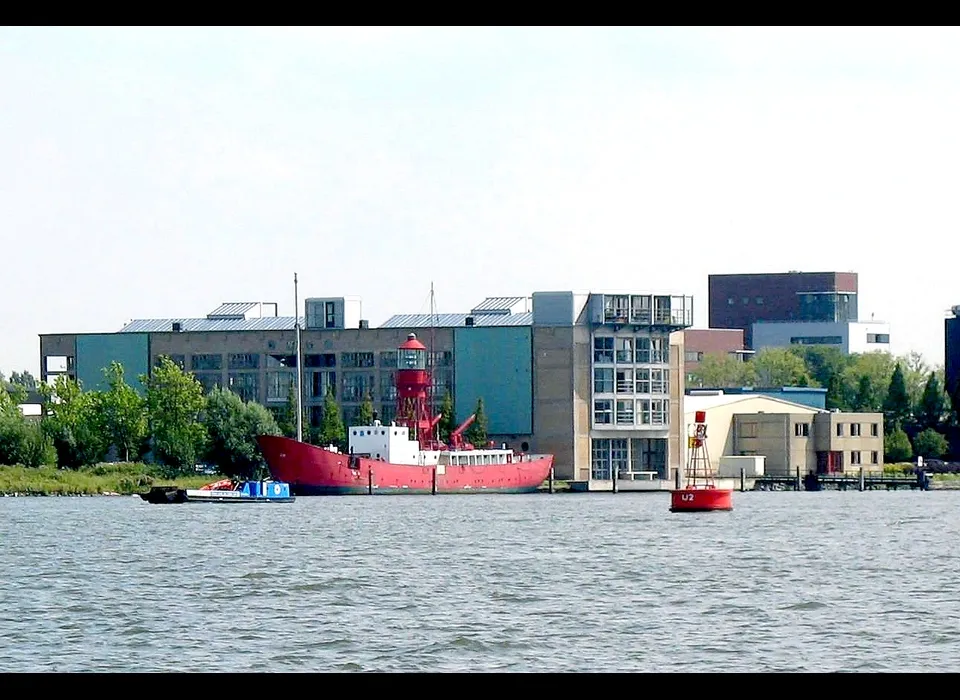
(121, 478)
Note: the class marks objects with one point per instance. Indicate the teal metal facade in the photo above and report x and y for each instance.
(495, 363)
(96, 351)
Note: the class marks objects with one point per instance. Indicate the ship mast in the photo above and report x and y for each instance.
(296, 325)
(431, 398)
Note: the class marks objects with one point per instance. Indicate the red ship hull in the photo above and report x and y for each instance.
(315, 471)
(698, 500)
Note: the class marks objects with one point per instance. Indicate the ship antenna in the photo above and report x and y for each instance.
(296, 325)
(433, 363)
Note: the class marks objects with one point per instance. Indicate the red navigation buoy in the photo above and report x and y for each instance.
(699, 492)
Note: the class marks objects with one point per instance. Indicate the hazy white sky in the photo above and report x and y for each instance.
(158, 172)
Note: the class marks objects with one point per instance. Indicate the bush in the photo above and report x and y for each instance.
(897, 447)
(930, 444)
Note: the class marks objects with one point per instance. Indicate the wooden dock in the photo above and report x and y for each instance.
(864, 481)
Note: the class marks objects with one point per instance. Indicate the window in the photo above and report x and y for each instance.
(801, 429)
(279, 385)
(658, 351)
(748, 430)
(731, 301)
(759, 301)
(603, 349)
(619, 460)
(878, 337)
(643, 350)
(817, 340)
(244, 384)
(356, 359)
(839, 429)
(388, 358)
(855, 429)
(600, 458)
(356, 385)
(244, 360)
(209, 380)
(320, 382)
(648, 455)
(874, 457)
(746, 300)
(659, 381)
(329, 315)
(178, 360)
(624, 350)
(440, 359)
(388, 386)
(874, 430)
(206, 362)
(855, 457)
(691, 356)
(603, 380)
(442, 382)
(625, 412)
(625, 382)
(281, 360)
(388, 413)
(643, 380)
(325, 360)
(653, 411)
(603, 412)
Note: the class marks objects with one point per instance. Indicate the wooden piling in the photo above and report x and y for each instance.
(743, 481)
(676, 479)
(798, 479)
(433, 486)
(862, 484)
(370, 482)
(550, 481)
(614, 479)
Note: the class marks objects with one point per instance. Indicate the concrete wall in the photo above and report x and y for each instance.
(677, 440)
(866, 443)
(554, 407)
(95, 352)
(852, 336)
(495, 363)
(773, 436)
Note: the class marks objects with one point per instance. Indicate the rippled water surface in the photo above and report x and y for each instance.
(828, 581)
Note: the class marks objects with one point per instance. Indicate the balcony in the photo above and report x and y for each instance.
(666, 312)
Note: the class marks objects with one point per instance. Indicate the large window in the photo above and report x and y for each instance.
(625, 412)
(816, 340)
(624, 381)
(388, 386)
(603, 412)
(624, 347)
(442, 379)
(607, 455)
(320, 382)
(206, 362)
(643, 350)
(603, 380)
(356, 359)
(281, 361)
(659, 381)
(648, 455)
(654, 411)
(603, 349)
(244, 360)
(658, 350)
(388, 358)
(356, 385)
(244, 384)
(209, 380)
(279, 385)
(643, 380)
(324, 360)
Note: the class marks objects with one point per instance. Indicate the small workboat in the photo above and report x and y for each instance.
(224, 491)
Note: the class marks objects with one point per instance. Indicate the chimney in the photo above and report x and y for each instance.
(177, 327)
(468, 321)
(364, 323)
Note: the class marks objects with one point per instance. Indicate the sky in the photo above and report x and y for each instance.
(158, 172)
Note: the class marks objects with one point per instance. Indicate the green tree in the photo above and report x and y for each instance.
(915, 375)
(779, 367)
(232, 427)
(877, 365)
(332, 430)
(896, 405)
(932, 409)
(823, 362)
(869, 397)
(123, 414)
(448, 422)
(21, 440)
(897, 447)
(365, 411)
(930, 444)
(287, 416)
(717, 370)
(73, 422)
(174, 401)
(836, 397)
(476, 434)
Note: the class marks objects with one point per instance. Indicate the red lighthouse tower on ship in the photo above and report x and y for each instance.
(413, 384)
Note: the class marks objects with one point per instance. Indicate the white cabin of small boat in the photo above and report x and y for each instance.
(392, 443)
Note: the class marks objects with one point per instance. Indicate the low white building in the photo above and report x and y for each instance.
(850, 336)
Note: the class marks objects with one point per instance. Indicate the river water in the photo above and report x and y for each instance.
(787, 581)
